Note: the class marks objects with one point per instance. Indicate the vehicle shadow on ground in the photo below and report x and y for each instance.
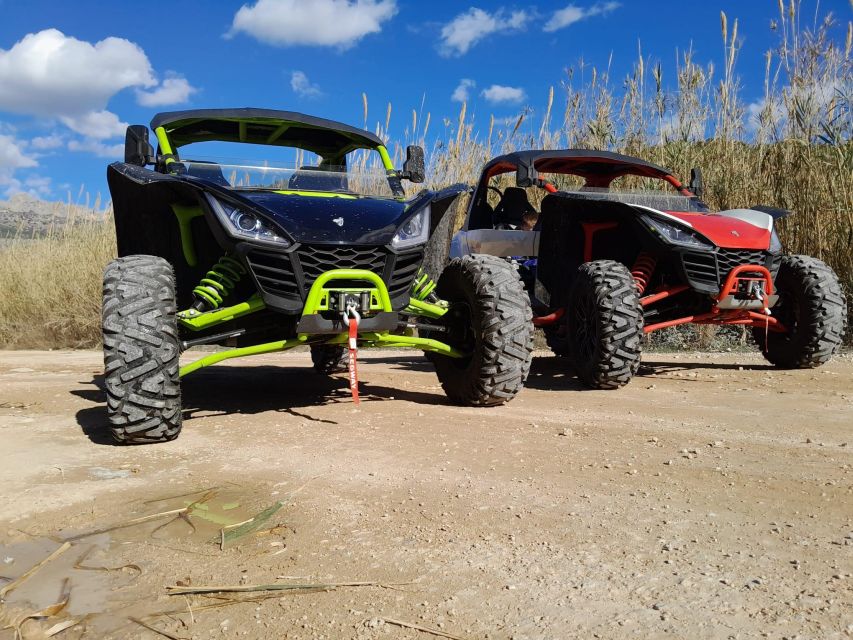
(250, 390)
(547, 373)
(660, 365)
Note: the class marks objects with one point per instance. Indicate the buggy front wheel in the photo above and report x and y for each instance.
(490, 320)
(604, 325)
(141, 350)
(813, 310)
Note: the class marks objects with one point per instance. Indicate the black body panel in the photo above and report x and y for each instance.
(332, 220)
(146, 224)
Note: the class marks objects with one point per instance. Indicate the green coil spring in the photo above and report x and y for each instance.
(423, 286)
(217, 284)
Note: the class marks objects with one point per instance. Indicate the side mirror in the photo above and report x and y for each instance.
(137, 149)
(526, 176)
(697, 186)
(414, 168)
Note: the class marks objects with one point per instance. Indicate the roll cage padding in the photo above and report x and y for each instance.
(326, 138)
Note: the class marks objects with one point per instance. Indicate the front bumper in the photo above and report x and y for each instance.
(284, 278)
(707, 271)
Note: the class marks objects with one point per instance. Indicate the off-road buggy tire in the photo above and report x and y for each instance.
(812, 307)
(329, 358)
(141, 350)
(604, 325)
(486, 293)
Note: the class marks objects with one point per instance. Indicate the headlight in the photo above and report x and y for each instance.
(244, 224)
(676, 234)
(414, 231)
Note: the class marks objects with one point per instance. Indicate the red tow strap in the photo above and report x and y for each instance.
(353, 359)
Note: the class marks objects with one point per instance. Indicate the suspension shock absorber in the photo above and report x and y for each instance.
(642, 271)
(217, 284)
(423, 287)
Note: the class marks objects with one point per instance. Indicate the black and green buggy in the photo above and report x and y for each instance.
(259, 258)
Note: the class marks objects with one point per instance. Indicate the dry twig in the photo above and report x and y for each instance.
(417, 627)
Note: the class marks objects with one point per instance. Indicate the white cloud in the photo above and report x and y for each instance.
(51, 74)
(328, 23)
(38, 185)
(302, 86)
(12, 154)
(98, 148)
(468, 28)
(562, 18)
(499, 94)
(174, 89)
(43, 143)
(12, 158)
(462, 92)
(96, 124)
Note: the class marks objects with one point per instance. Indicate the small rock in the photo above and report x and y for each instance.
(566, 432)
(8, 560)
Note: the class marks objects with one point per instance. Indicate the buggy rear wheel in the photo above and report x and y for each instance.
(329, 358)
(490, 318)
(813, 310)
(604, 325)
(141, 350)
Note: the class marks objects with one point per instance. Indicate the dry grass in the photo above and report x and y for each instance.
(792, 149)
(51, 287)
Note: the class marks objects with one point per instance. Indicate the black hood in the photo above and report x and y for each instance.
(333, 220)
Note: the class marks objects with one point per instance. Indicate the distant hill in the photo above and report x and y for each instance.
(26, 217)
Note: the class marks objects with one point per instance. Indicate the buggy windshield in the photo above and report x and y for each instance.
(365, 181)
(662, 199)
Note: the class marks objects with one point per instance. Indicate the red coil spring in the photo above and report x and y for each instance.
(643, 269)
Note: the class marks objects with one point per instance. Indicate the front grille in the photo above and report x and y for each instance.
(728, 259)
(316, 260)
(274, 273)
(706, 271)
(701, 267)
(290, 275)
(403, 272)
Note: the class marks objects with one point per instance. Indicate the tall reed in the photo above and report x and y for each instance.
(793, 149)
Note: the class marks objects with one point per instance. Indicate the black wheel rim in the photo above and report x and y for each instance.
(585, 329)
(787, 312)
(460, 330)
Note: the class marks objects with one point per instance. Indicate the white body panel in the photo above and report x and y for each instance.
(495, 242)
(755, 218)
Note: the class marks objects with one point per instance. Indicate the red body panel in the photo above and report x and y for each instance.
(727, 232)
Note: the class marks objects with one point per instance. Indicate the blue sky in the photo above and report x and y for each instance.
(73, 74)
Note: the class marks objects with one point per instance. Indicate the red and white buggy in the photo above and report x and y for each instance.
(604, 264)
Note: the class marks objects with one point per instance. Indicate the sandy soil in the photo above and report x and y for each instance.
(711, 498)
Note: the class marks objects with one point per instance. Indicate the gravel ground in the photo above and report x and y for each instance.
(711, 498)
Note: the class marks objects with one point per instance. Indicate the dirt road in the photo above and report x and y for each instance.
(711, 498)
